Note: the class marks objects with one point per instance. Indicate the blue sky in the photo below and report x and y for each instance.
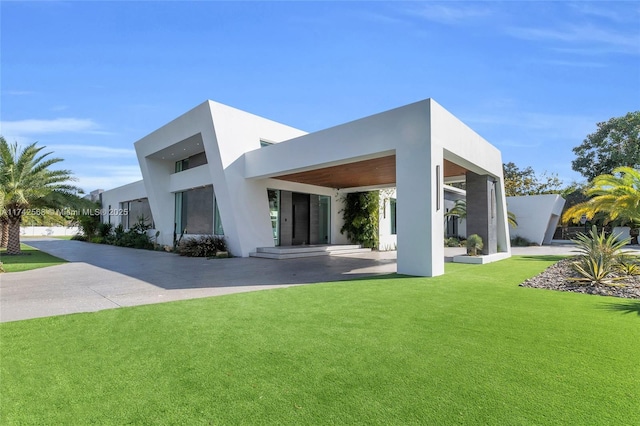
(87, 79)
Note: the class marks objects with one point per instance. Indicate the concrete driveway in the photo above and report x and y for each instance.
(104, 277)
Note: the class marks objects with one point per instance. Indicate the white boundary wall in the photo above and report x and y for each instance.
(537, 216)
(48, 231)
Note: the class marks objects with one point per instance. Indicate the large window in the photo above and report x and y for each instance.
(189, 163)
(392, 208)
(197, 212)
(324, 219)
(274, 213)
(136, 210)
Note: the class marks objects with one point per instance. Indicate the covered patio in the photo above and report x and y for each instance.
(416, 148)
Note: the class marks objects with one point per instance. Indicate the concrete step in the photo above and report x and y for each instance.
(350, 251)
(307, 248)
(293, 252)
(281, 256)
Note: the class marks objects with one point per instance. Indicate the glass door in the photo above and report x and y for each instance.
(274, 213)
(324, 219)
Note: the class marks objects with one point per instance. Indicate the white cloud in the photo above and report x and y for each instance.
(93, 151)
(17, 92)
(57, 125)
(108, 177)
(567, 63)
(517, 144)
(447, 13)
(582, 34)
(617, 15)
(380, 18)
(549, 126)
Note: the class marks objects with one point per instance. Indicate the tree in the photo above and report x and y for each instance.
(616, 195)
(616, 143)
(525, 181)
(26, 180)
(4, 222)
(459, 209)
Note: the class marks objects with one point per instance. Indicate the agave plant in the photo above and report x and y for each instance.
(474, 245)
(628, 265)
(599, 256)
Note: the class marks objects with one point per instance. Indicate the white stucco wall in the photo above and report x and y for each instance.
(537, 216)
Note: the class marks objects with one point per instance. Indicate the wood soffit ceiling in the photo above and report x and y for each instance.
(377, 171)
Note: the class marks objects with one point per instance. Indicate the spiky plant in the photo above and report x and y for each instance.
(474, 244)
(628, 265)
(598, 256)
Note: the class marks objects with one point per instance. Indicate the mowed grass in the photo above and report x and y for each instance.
(30, 258)
(469, 347)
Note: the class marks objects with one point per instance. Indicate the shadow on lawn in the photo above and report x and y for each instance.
(629, 307)
(545, 257)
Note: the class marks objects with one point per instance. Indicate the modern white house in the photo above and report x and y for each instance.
(220, 170)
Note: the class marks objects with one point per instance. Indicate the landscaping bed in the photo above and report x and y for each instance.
(559, 277)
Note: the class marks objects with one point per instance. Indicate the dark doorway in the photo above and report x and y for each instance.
(300, 218)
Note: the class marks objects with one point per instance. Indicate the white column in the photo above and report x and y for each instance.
(420, 205)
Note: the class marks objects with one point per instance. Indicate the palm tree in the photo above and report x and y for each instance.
(459, 209)
(4, 222)
(616, 195)
(25, 179)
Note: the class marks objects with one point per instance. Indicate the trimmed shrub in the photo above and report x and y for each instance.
(136, 237)
(451, 242)
(105, 230)
(202, 246)
(519, 241)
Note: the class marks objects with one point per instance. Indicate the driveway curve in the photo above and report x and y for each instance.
(101, 277)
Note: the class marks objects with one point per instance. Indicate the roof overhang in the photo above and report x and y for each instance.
(373, 172)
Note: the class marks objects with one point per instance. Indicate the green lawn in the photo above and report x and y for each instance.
(30, 258)
(470, 347)
(57, 237)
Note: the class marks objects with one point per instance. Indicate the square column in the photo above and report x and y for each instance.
(482, 214)
(420, 219)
